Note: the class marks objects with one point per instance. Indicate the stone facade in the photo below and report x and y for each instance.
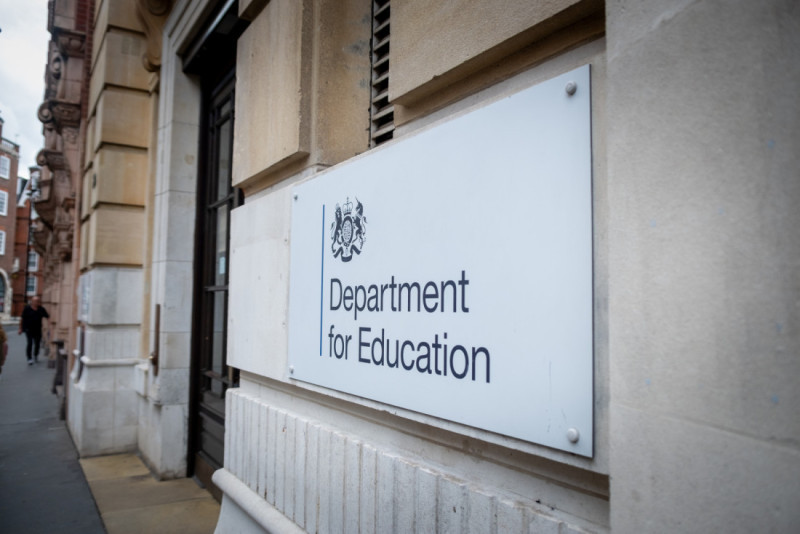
(694, 121)
(55, 197)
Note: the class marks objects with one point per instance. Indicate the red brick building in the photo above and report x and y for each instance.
(9, 166)
(28, 267)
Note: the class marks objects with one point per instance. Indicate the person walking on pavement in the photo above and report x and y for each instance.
(31, 324)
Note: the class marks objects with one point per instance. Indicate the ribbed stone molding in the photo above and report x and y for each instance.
(326, 480)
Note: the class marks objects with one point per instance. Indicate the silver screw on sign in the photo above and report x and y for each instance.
(571, 88)
(573, 435)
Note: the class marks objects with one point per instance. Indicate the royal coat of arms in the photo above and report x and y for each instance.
(348, 231)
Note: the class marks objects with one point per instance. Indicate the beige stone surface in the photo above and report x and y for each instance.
(704, 256)
(116, 466)
(546, 52)
(86, 245)
(319, 74)
(436, 44)
(119, 62)
(116, 235)
(131, 501)
(121, 176)
(86, 190)
(123, 118)
(64, 15)
(137, 491)
(270, 88)
(88, 153)
(186, 517)
(113, 13)
(259, 255)
(341, 83)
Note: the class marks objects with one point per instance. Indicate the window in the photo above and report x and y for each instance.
(5, 167)
(33, 261)
(30, 285)
(3, 203)
(2, 242)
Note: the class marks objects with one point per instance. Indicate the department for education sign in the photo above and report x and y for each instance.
(450, 273)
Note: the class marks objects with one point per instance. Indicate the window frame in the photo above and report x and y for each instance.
(5, 167)
(28, 279)
(33, 261)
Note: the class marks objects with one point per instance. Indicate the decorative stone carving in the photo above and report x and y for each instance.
(51, 137)
(70, 135)
(59, 115)
(70, 43)
(54, 159)
(44, 113)
(66, 113)
(153, 14)
(40, 234)
(68, 203)
(55, 64)
(62, 235)
(55, 193)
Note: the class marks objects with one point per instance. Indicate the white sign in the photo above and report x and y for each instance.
(450, 273)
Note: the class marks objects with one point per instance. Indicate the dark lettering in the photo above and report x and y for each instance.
(463, 283)
(475, 353)
(393, 286)
(428, 295)
(361, 330)
(359, 306)
(452, 284)
(408, 288)
(419, 347)
(372, 302)
(339, 284)
(378, 341)
(427, 367)
(402, 354)
(466, 361)
(347, 301)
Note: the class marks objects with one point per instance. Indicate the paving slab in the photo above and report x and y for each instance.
(190, 517)
(114, 466)
(131, 500)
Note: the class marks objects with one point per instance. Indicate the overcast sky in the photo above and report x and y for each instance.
(23, 59)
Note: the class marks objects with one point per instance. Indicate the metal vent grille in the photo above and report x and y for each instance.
(381, 110)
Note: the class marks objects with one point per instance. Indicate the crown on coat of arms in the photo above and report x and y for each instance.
(347, 207)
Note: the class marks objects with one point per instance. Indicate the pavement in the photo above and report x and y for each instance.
(46, 488)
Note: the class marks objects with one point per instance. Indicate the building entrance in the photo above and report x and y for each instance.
(211, 376)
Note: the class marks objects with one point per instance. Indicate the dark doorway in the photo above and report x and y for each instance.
(211, 376)
(212, 57)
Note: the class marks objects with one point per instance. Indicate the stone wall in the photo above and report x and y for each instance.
(703, 125)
